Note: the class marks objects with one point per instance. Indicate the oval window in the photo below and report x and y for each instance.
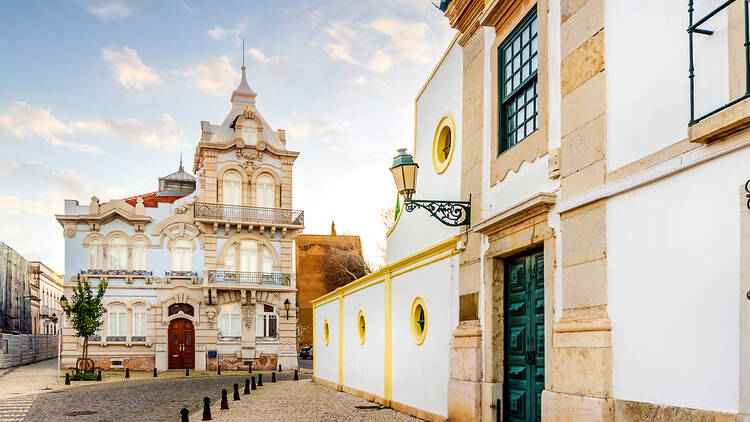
(443, 143)
(418, 321)
(361, 327)
(326, 332)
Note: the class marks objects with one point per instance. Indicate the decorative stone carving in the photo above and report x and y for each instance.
(211, 316)
(70, 231)
(182, 209)
(139, 207)
(261, 146)
(248, 316)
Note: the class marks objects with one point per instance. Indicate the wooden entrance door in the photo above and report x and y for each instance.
(181, 344)
(524, 338)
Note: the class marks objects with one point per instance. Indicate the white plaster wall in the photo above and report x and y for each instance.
(327, 357)
(363, 363)
(421, 373)
(417, 230)
(646, 55)
(673, 278)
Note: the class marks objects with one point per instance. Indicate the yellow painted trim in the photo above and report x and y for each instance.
(427, 82)
(326, 333)
(398, 217)
(388, 364)
(361, 329)
(425, 263)
(417, 336)
(445, 121)
(315, 346)
(341, 340)
(402, 263)
(364, 286)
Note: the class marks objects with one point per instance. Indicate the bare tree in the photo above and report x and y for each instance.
(343, 263)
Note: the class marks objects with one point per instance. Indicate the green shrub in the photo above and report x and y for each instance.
(83, 376)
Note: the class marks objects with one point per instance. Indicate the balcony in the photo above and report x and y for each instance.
(240, 215)
(128, 275)
(243, 278)
(44, 311)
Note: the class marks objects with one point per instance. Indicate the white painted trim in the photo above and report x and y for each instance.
(652, 174)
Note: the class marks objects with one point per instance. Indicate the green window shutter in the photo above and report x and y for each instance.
(518, 64)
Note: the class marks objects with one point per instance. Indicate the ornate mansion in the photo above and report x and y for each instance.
(199, 272)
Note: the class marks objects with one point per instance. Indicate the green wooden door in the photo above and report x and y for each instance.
(524, 338)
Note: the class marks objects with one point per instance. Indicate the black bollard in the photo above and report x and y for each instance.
(250, 367)
(273, 376)
(224, 402)
(260, 380)
(296, 376)
(247, 387)
(67, 378)
(218, 369)
(154, 372)
(127, 372)
(279, 368)
(236, 395)
(184, 412)
(206, 409)
(187, 372)
(99, 375)
(253, 386)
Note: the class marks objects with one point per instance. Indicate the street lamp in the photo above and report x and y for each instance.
(64, 305)
(287, 303)
(450, 213)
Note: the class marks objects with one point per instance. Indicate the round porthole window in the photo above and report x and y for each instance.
(418, 321)
(326, 332)
(443, 143)
(361, 327)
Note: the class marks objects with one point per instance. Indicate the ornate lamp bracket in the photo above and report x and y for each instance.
(450, 213)
(747, 189)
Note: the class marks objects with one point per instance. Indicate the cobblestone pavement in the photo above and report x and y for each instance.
(159, 399)
(16, 408)
(301, 401)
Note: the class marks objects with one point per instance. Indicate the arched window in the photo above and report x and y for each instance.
(95, 254)
(182, 252)
(139, 255)
(264, 187)
(230, 320)
(232, 188)
(139, 322)
(118, 254)
(267, 261)
(118, 323)
(267, 326)
(248, 256)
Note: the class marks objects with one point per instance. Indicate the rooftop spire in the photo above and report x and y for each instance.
(243, 94)
(181, 169)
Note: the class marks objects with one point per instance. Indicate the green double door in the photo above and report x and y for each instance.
(524, 338)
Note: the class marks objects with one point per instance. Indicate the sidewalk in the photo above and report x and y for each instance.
(28, 379)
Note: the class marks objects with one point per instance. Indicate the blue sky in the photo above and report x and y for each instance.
(99, 97)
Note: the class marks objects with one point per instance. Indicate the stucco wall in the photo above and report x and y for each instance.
(327, 357)
(363, 363)
(648, 105)
(673, 273)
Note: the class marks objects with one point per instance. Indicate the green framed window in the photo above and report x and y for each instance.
(518, 63)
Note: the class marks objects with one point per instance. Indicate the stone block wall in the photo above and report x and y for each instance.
(21, 349)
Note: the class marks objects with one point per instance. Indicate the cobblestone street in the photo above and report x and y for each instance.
(158, 399)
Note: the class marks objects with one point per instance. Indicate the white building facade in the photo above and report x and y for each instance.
(199, 273)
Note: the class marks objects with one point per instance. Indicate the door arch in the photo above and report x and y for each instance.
(181, 340)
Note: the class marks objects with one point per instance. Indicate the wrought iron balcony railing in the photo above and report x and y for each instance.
(180, 274)
(246, 214)
(243, 277)
(693, 28)
(117, 272)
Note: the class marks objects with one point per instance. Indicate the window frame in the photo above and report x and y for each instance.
(263, 319)
(139, 320)
(531, 80)
(120, 313)
(181, 255)
(267, 191)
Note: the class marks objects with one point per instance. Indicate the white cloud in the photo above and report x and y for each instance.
(109, 9)
(380, 62)
(160, 132)
(408, 38)
(320, 130)
(15, 205)
(21, 120)
(215, 76)
(262, 58)
(220, 33)
(128, 68)
(340, 52)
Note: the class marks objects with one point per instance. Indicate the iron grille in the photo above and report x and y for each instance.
(249, 214)
(180, 274)
(244, 277)
(117, 272)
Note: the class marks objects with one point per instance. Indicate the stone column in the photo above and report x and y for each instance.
(248, 324)
(209, 191)
(286, 182)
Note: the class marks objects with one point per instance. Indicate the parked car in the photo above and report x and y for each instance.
(306, 353)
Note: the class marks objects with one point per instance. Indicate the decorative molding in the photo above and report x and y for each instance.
(535, 205)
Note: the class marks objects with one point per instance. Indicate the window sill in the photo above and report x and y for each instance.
(722, 124)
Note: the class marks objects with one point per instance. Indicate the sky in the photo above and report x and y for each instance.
(100, 97)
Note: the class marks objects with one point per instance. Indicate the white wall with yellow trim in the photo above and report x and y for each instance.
(327, 368)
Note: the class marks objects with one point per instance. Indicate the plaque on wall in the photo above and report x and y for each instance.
(200, 347)
(161, 347)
